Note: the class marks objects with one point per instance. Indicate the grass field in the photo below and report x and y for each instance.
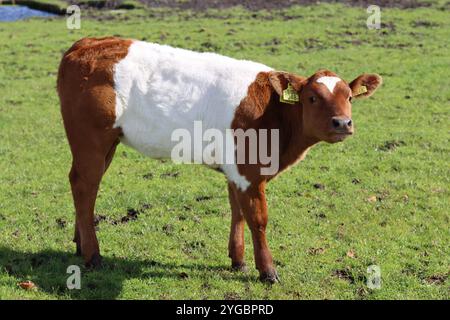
(381, 198)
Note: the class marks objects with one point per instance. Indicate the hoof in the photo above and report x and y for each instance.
(95, 262)
(270, 277)
(78, 250)
(239, 267)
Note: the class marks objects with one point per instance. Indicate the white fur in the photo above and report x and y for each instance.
(329, 82)
(160, 89)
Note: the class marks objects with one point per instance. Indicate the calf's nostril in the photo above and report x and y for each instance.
(336, 123)
(349, 123)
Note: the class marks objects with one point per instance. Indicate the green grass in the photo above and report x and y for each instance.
(177, 248)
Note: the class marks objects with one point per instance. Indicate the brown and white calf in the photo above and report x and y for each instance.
(115, 90)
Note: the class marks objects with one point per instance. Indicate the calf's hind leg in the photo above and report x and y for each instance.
(90, 161)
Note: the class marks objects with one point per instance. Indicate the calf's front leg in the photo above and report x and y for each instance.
(236, 245)
(254, 208)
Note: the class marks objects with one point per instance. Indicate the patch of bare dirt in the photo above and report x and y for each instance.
(203, 198)
(391, 145)
(436, 279)
(344, 274)
(254, 5)
(425, 24)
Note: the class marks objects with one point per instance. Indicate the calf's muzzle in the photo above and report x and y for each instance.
(342, 124)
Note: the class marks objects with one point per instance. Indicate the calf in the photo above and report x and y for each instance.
(139, 93)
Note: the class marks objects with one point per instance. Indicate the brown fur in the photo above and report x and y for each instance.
(85, 87)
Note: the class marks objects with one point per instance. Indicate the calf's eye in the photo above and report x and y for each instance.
(312, 99)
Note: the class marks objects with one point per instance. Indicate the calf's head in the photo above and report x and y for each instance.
(323, 101)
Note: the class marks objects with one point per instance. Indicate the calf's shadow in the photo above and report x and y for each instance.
(48, 270)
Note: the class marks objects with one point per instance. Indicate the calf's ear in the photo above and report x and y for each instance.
(280, 81)
(365, 85)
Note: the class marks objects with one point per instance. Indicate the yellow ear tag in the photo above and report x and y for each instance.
(289, 95)
(361, 90)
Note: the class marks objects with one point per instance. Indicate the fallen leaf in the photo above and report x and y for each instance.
(27, 285)
(372, 199)
(351, 254)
